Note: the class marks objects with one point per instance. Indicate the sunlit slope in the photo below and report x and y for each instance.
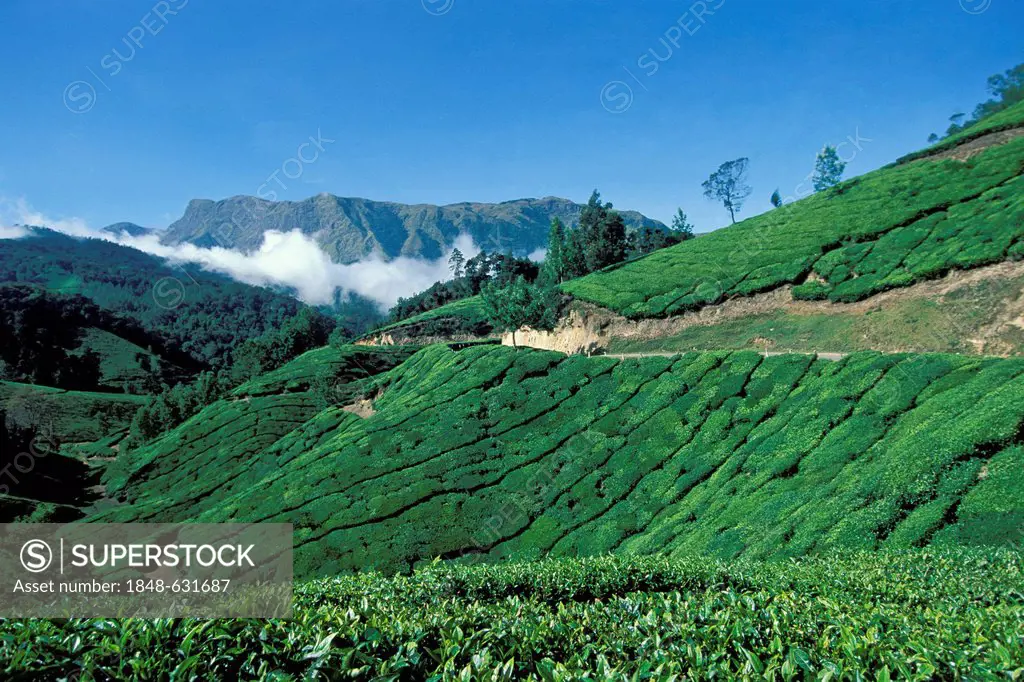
(886, 229)
(524, 454)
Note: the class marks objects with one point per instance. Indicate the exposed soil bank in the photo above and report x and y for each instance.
(590, 329)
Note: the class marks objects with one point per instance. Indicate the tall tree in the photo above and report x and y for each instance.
(574, 259)
(520, 304)
(603, 232)
(611, 244)
(729, 185)
(776, 198)
(456, 262)
(828, 169)
(553, 270)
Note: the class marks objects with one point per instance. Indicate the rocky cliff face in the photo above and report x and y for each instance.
(350, 229)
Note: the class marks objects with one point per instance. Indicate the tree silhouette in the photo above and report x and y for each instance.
(729, 185)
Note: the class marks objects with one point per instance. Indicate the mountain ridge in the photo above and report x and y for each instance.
(350, 229)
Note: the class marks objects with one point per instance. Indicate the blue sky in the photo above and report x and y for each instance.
(442, 101)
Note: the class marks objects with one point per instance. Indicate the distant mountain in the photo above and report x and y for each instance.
(352, 229)
(131, 229)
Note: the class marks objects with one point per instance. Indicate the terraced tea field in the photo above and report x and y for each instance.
(883, 230)
(516, 455)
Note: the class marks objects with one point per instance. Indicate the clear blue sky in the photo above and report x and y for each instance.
(442, 101)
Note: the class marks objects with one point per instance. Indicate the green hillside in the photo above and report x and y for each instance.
(67, 416)
(125, 363)
(529, 454)
(912, 221)
(68, 341)
(201, 315)
(465, 317)
(885, 229)
(921, 616)
(234, 436)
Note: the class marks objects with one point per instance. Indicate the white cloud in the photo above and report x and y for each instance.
(538, 254)
(18, 212)
(13, 232)
(290, 259)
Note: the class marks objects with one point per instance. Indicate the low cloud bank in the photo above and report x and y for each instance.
(289, 259)
(12, 232)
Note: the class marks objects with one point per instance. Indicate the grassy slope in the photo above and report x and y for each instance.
(527, 454)
(68, 416)
(883, 230)
(947, 615)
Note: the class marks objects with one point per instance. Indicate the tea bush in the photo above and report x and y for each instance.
(949, 614)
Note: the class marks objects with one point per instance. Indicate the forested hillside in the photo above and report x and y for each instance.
(67, 341)
(200, 314)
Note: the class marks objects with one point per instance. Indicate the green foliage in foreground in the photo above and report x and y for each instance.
(885, 229)
(917, 616)
(504, 454)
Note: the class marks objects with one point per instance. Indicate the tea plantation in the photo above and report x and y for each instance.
(886, 229)
(949, 614)
(908, 222)
(519, 455)
(481, 512)
(234, 434)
